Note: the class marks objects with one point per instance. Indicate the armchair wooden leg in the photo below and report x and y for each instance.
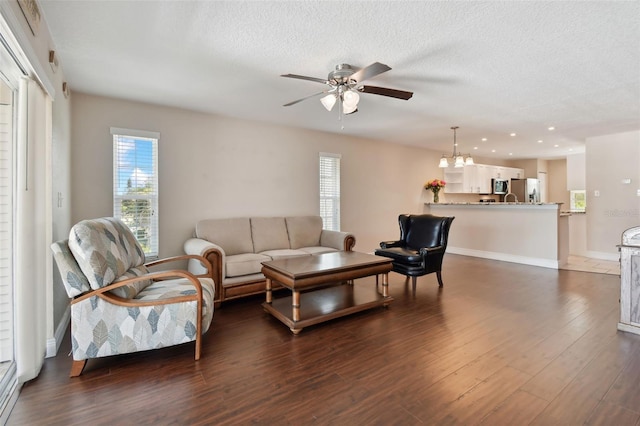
(413, 282)
(406, 280)
(439, 275)
(77, 367)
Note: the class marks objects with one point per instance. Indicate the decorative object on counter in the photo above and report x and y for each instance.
(457, 159)
(435, 185)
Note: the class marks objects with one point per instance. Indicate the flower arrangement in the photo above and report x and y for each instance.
(435, 185)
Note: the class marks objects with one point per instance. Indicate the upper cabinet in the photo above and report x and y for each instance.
(476, 179)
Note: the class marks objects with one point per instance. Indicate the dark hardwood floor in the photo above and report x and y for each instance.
(500, 344)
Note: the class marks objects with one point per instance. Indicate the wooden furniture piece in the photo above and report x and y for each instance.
(421, 247)
(324, 275)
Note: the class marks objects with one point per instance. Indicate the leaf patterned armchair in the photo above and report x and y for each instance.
(118, 306)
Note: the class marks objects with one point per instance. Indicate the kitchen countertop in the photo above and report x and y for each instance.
(497, 204)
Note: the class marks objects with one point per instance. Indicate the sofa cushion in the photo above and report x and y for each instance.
(233, 235)
(304, 231)
(105, 249)
(269, 233)
(245, 264)
(317, 250)
(282, 253)
(166, 289)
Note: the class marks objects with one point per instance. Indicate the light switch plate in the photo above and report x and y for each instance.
(596, 193)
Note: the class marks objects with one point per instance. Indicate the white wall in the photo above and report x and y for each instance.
(216, 167)
(609, 160)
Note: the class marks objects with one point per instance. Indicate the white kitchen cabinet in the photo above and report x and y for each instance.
(454, 179)
(483, 178)
(476, 179)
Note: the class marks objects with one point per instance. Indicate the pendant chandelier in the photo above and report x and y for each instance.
(457, 159)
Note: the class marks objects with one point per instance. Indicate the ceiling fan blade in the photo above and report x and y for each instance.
(392, 93)
(303, 77)
(306, 97)
(369, 71)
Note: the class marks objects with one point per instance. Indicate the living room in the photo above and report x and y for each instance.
(213, 166)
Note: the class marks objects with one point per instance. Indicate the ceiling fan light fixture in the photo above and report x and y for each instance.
(443, 162)
(469, 161)
(459, 161)
(328, 101)
(350, 98)
(347, 109)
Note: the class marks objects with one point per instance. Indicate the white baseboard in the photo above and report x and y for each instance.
(614, 257)
(54, 344)
(533, 261)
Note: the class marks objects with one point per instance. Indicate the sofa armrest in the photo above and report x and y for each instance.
(214, 254)
(389, 244)
(337, 240)
(201, 262)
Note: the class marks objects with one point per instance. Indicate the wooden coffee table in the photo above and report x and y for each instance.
(321, 280)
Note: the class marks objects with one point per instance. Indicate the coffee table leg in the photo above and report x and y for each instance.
(268, 290)
(295, 305)
(385, 285)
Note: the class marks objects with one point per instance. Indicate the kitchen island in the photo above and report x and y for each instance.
(532, 234)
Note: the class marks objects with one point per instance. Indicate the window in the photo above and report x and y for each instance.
(330, 190)
(578, 201)
(135, 184)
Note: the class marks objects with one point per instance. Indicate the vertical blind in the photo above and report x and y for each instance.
(6, 223)
(135, 184)
(330, 190)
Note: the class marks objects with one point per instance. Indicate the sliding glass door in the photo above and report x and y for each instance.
(10, 76)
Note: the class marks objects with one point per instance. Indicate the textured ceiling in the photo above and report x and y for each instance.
(491, 68)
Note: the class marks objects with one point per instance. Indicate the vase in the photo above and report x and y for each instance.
(435, 196)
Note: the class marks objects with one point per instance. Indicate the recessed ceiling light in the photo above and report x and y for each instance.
(570, 149)
(555, 146)
(475, 147)
(512, 134)
(551, 128)
(493, 150)
(484, 139)
(540, 141)
(511, 153)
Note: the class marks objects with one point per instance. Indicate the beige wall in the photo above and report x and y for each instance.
(609, 160)
(557, 183)
(215, 167)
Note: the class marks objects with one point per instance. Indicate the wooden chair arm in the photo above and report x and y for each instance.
(102, 292)
(202, 259)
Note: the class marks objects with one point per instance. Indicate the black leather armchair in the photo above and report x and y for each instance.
(421, 247)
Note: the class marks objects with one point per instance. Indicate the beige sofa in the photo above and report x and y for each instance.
(237, 247)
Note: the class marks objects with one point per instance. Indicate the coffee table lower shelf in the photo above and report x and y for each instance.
(317, 306)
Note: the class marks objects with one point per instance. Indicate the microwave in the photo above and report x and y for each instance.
(499, 186)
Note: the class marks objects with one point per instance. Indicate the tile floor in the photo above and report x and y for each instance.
(586, 264)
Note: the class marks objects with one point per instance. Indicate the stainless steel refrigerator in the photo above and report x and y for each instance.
(527, 190)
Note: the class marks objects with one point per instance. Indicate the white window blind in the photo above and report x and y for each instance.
(330, 190)
(135, 184)
(6, 223)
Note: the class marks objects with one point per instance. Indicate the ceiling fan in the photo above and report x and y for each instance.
(344, 84)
